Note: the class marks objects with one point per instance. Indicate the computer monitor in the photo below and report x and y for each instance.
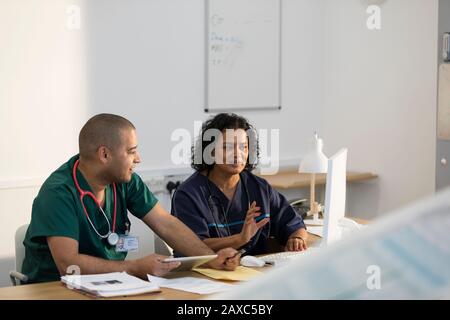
(335, 193)
(410, 246)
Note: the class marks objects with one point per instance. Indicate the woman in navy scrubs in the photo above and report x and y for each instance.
(224, 203)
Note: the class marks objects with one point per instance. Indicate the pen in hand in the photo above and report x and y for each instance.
(240, 252)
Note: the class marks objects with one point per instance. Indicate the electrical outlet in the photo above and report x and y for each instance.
(158, 184)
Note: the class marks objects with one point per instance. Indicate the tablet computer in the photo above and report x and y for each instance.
(188, 263)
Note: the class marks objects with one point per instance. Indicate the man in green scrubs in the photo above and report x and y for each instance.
(64, 236)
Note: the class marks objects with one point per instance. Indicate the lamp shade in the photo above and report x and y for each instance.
(315, 161)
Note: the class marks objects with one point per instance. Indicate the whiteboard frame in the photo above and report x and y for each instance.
(443, 110)
(207, 108)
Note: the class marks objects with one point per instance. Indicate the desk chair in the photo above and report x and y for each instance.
(16, 276)
(161, 247)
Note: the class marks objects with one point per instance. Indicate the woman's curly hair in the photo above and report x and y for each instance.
(221, 122)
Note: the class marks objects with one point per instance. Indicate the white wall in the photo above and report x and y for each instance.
(380, 99)
(373, 92)
(42, 105)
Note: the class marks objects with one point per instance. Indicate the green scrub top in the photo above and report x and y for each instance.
(57, 211)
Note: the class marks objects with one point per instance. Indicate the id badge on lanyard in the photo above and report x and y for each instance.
(127, 242)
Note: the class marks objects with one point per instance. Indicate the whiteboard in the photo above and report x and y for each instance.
(243, 54)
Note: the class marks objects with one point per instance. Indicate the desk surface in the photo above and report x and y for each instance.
(291, 179)
(58, 291)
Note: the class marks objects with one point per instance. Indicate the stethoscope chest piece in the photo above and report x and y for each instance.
(113, 238)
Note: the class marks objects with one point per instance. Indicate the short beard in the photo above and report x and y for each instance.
(118, 179)
(108, 177)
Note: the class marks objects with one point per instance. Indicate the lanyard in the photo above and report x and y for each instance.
(112, 236)
(224, 214)
(253, 242)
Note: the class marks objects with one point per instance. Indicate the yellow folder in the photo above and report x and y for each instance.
(240, 274)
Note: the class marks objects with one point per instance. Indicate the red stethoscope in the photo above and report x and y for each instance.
(112, 236)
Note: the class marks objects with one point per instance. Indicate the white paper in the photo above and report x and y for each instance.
(316, 230)
(346, 231)
(191, 284)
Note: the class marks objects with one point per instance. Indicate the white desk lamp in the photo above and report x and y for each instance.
(314, 162)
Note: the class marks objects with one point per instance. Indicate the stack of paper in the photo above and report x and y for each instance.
(109, 284)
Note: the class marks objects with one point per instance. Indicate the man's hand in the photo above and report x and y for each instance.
(296, 244)
(250, 226)
(153, 265)
(65, 253)
(228, 259)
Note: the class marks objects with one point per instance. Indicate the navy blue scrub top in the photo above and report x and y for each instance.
(190, 205)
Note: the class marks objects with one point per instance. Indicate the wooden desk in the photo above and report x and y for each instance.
(58, 291)
(291, 179)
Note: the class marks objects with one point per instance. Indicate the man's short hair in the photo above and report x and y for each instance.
(102, 130)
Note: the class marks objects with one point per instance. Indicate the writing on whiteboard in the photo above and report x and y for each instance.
(225, 47)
